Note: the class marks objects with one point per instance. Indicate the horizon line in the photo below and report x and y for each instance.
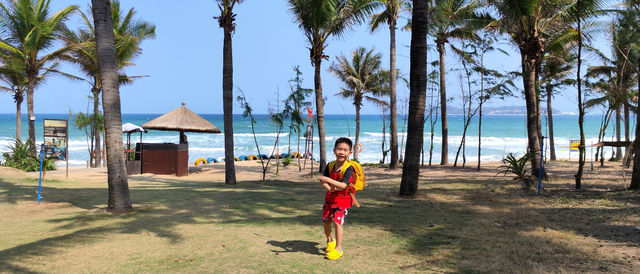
(342, 114)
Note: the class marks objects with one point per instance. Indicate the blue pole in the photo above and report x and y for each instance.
(40, 179)
(540, 169)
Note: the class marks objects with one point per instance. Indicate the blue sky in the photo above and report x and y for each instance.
(184, 61)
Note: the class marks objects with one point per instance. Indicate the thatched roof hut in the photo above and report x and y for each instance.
(181, 119)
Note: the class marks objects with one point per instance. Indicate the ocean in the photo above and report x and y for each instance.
(501, 134)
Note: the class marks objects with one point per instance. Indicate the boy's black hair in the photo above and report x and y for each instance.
(344, 140)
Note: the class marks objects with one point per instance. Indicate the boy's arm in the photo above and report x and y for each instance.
(340, 185)
(327, 187)
(325, 174)
(332, 183)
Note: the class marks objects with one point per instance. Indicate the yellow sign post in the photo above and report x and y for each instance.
(574, 145)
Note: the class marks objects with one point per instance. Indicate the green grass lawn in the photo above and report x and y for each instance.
(469, 224)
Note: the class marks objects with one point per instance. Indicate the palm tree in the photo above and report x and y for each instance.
(362, 80)
(226, 20)
(12, 74)
(451, 20)
(627, 47)
(528, 22)
(128, 34)
(320, 19)
(615, 75)
(580, 11)
(294, 104)
(30, 30)
(390, 17)
(554, 74)
(418, 82)
(119, 199)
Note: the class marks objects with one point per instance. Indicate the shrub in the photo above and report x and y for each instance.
(517, 167)
(21, 157)
(287, 161)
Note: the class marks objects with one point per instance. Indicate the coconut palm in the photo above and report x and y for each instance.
(418, 82)
(635, 181)
(389, 16)
(615, 76)
(12, 74)
(451, 20)
(528, 22)
(30, 31)
(226, 20)
(119, 199)
(319, 20)
(294, 104)
(555, 74)
(128, 34)
(603, 87)
(362, 81)
(580, 12)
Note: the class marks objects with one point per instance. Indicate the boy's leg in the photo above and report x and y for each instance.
(338, 228)
(327, 230)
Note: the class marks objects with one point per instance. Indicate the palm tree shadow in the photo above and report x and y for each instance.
(296, 246)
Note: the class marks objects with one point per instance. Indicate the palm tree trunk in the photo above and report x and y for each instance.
(552, 147)
(30, 113)
(320, 113)
(581, 148)
(480, 109)
(626, 122)
(463, 141)
(479, 132)
(604, 132)
(96, 111)
(433, 123)
(227, 102)
(384, 138)
(393, 123)
(618, 118)
(119, 199)
(443, 107)
(418, 79)
(533, 116)
(635, 177)
(289, 144)
(18, 119)
(355, 146)
(299, 153)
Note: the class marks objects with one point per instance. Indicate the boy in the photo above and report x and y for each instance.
(337, 200)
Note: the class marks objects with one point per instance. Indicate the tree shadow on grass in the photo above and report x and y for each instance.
(296, 246)
(159, 211)
(430, 225)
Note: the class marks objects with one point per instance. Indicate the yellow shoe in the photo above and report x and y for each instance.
(331, 245)
(334, 254)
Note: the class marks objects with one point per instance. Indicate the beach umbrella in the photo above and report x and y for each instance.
(183, 120)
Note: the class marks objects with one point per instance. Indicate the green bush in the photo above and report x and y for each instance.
(517, 167)
(21, 157)
(287, 161)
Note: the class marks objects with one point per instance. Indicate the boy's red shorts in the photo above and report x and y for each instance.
(334, 213)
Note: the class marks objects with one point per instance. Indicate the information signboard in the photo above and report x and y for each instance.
(575, 145)
(56, 139)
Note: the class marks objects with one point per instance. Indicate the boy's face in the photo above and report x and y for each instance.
(342, 151)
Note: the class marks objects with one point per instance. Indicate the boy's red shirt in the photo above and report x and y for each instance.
(340, 198)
